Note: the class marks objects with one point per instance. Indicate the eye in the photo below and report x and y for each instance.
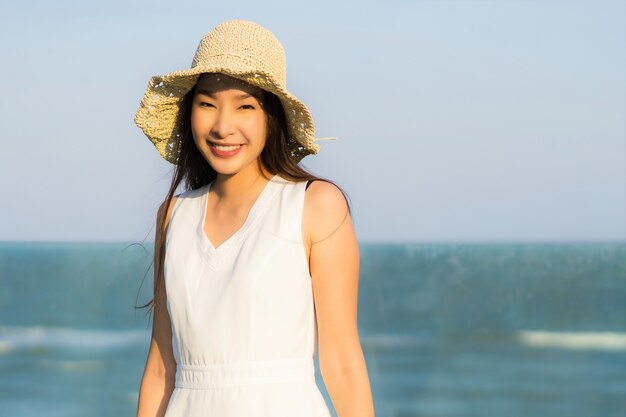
(205, 104)
(247, 106)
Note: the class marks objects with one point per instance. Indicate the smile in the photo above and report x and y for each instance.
(226, 148)
(225, 151)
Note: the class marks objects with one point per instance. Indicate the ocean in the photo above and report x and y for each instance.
(448, 330)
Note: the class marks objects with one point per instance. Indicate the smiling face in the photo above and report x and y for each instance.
(228, 123)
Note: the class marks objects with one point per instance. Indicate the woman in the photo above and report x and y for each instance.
(257, 263)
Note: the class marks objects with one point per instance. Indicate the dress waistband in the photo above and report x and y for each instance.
(244, 373)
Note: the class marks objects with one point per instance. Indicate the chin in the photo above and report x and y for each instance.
(225, 169)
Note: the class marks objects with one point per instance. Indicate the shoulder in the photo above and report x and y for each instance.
(322, 195)
(167, 211)
(325, 207)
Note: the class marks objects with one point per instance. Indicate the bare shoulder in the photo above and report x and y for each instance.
(325, 207)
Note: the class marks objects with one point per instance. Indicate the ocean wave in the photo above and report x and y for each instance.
(73, 365)
(17, 338)
(614, 341)
(390, 341)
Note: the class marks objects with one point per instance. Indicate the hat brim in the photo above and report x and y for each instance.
(159, 107)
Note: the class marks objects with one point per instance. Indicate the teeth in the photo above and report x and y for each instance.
(227, 148)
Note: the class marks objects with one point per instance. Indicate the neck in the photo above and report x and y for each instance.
(240, 186)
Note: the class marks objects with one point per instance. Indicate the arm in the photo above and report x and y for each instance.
(158, 379)
(334, 265)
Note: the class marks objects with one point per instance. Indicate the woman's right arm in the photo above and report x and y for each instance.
(158, 379)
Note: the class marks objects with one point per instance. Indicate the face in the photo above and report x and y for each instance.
(228, 124)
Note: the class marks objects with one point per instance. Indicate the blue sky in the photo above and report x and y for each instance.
(457, 120)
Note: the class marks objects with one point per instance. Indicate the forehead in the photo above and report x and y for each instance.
(219, 82)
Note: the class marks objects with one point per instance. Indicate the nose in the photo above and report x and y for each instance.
(224, 124)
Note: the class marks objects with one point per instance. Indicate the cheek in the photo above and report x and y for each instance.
(256, 125)
(199, 125)
(196, 120)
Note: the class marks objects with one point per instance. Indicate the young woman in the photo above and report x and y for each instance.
(257, 262)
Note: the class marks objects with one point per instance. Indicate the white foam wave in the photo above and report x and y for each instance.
(73, 365)
(14, 338)
(390, 341)
(613, 341)
(6, 347)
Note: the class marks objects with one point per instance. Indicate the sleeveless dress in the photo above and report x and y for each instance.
(243, 321)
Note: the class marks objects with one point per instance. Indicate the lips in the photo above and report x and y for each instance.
(225, 150)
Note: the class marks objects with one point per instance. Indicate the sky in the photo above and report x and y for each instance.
(457, 121)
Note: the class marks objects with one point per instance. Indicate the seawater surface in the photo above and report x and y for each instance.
(448, 330)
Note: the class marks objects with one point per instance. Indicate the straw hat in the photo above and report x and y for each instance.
(240, 49)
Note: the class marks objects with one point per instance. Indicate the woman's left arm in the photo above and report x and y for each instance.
(334, 267)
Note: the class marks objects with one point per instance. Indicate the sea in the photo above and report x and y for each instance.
(447, 330)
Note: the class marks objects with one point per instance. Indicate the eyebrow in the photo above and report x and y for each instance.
(212, 94)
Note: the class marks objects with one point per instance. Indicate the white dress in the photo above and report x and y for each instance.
(243, 319)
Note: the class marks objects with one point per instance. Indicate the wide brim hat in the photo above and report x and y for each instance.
(243, 50)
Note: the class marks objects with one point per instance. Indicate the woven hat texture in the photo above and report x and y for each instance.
(240, 49)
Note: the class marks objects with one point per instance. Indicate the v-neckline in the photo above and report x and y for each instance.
(252, 213)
